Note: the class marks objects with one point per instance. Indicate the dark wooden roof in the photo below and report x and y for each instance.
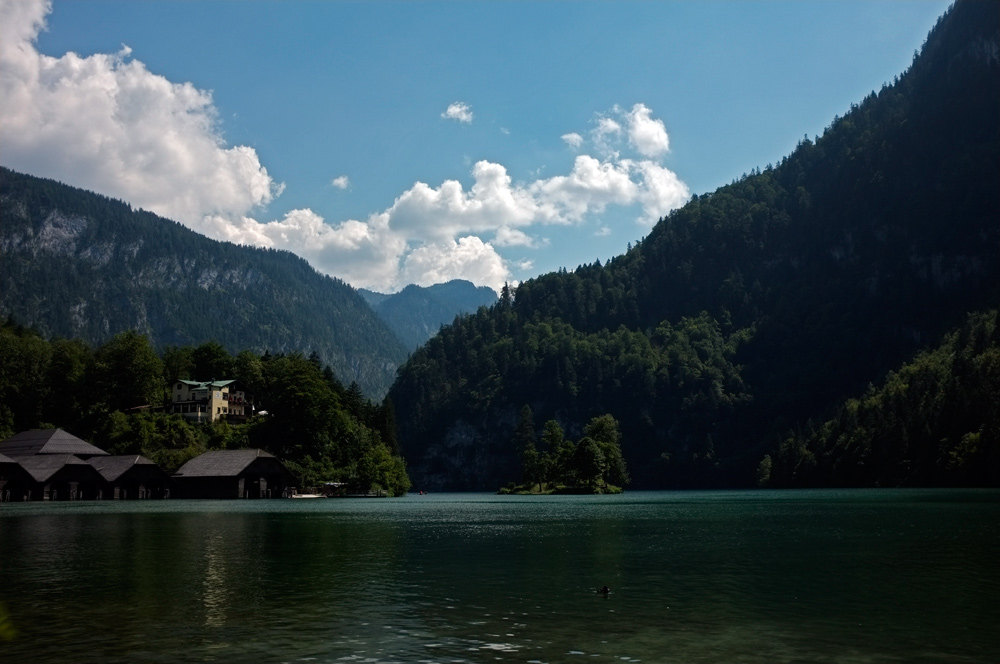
(43, 466)
(10, 469)
(113, 467)
(221, 463)
(48, 441)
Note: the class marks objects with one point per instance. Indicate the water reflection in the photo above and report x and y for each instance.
(214, 598)
(695, 578)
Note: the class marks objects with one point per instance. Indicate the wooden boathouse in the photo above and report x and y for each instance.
(61, 477)
(249, 473)
(131, 477)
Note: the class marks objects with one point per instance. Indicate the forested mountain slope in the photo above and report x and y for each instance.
(75, 264)
(935, 421)
(751, 309)
(416, 313)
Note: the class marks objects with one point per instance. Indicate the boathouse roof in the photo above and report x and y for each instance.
(48, 441)
(221, 463)
(112, 468)
(42, 467)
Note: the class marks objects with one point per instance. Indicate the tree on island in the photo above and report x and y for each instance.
(593, 465)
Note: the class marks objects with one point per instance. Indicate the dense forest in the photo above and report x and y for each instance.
(74, 264)
(935, 421)
(112, 395)
(755, 308)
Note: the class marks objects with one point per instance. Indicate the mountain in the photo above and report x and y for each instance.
(935, 421)
(416, 313)
(751, 310)
(76, 264)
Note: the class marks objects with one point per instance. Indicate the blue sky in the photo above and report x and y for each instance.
(324, 127)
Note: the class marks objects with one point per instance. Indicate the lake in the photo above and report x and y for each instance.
(742, 576)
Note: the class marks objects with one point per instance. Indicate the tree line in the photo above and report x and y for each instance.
(112, 395)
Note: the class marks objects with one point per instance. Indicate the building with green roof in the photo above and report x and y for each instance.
(208, 401)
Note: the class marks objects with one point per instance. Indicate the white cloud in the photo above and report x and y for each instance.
(469, 256)
(590, 187)
(432, 234)
(449, 210)
(460, 111)
(603, 231)
(104, 122)
(606, 136)
(362, 253)
(661, 191)
(608, 127)
(647, 135)
(525, 265)
(512, 237)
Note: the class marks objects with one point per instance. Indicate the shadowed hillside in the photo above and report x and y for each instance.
(754, 307)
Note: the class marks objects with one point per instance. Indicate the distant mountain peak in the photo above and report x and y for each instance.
(416, 313)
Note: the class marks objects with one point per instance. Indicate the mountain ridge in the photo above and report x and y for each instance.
(80, 265)
(416, 313)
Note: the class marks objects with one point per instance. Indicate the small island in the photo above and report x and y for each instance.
(592, 465)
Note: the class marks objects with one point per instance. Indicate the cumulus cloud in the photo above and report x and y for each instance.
(460, 111)
(105, 122)
(646, 134)
(363, 253)
(469, 256)
(512, 237)
(432, 234)
(590, 187)
(525, 264)
(662, 191)
(606, 136)
(608, 127)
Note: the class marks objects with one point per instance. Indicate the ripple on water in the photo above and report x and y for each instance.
(734, 577)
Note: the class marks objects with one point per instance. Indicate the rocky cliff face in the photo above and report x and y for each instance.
(464, 461)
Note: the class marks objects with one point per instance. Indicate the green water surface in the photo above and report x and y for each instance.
(761, 576)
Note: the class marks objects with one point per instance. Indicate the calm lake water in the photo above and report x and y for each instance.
(810, 576)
